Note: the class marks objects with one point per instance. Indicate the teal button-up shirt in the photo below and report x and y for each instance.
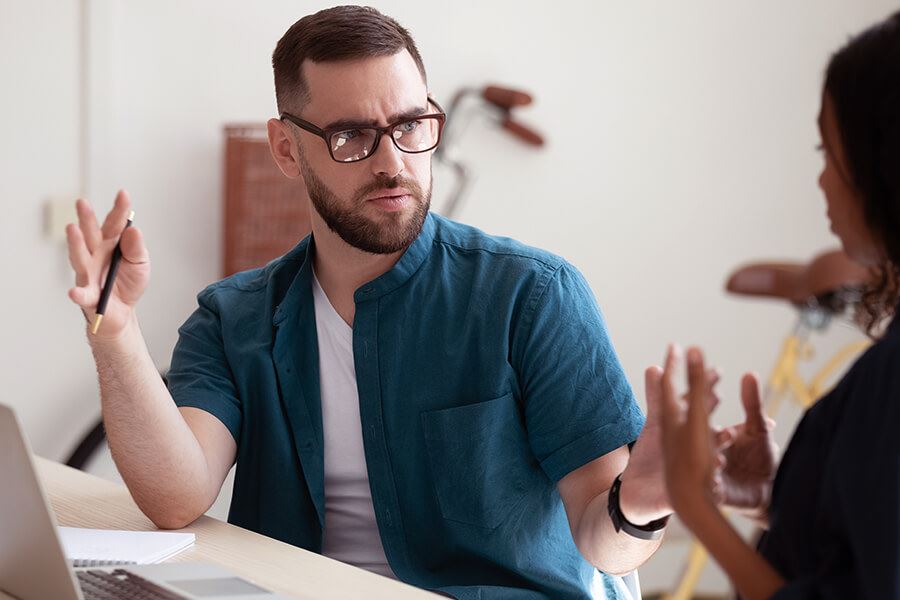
(485, 375)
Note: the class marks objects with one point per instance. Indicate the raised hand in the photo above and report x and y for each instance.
(689, 445)
(643, 490)
(751, 458)
(90, 250)
(643, 481)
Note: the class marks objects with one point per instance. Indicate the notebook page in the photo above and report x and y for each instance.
(91, 547)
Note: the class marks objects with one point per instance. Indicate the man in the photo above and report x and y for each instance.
(400, 392)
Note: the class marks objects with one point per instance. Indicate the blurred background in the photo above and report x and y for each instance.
(679, 144)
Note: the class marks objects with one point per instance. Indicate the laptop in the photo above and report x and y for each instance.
(33, 565)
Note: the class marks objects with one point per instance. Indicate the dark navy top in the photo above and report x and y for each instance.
(835, 510)
(485, 375)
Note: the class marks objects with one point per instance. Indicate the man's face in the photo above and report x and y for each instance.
(379, 204)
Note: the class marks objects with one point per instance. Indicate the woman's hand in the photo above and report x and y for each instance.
(692, 465)
(690, 452)
(751, 458)
(643, 482)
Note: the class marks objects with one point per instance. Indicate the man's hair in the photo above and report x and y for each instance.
(334, 34)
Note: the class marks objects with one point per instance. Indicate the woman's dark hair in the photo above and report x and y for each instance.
(863, 83)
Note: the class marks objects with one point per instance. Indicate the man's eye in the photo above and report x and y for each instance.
(409, 126)
(346, 136)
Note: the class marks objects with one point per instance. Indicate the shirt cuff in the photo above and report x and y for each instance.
(228, 414)
(594, 444)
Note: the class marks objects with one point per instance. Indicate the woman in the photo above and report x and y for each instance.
(834, 508)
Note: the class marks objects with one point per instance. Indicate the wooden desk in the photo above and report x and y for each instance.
(82, 500)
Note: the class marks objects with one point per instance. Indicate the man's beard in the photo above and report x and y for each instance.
(360, 232)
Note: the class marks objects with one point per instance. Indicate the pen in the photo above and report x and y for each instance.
(110, 278)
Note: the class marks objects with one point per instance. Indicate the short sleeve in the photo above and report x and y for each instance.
(578, 403)
(200, 376)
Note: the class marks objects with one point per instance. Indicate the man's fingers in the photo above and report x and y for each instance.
(87, 222)
(117, 217)
(712, 399)
(85, 297)
(697, 390)
(755, 420)
(670, 403)
(79, 257)
(653, 391)
(133, 248)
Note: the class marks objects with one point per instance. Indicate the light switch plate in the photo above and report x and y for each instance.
(59, 211)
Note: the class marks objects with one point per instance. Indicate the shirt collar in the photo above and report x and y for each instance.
(301, 287)
(404, 269)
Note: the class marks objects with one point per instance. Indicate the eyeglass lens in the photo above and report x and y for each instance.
(416, 135)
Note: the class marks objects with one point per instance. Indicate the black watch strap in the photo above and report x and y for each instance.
(651, 531)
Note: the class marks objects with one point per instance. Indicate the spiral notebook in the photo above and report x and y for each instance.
(105, 547)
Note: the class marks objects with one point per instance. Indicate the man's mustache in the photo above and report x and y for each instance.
(381, 183)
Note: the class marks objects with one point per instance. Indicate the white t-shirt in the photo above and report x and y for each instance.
(351, 533)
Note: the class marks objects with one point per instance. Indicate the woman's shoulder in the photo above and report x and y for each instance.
(870, 392)
(879, 366)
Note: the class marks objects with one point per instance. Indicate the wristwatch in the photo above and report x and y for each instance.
(651, 531)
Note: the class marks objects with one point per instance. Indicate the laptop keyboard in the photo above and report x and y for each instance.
(121, 585)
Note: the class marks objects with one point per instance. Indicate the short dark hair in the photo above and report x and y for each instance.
(863, 84)
(334, 34)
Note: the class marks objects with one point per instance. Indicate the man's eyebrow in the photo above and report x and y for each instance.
(394, 118)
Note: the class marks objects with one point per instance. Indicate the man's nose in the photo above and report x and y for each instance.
(388, 159)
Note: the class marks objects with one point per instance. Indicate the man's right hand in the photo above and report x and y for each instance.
(90, 252)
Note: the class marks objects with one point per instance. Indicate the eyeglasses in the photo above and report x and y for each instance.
(352, 144)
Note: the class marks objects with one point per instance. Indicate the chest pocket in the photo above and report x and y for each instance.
(481, 463)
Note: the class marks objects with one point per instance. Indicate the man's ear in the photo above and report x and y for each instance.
(280, 144)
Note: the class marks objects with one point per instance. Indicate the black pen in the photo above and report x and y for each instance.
(110, 278)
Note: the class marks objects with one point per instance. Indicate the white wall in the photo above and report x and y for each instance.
(680, 135)
(45, 369)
